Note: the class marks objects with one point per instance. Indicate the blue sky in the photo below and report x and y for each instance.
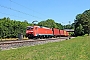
(62, 11)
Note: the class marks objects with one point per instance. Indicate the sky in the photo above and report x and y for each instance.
(61, 11)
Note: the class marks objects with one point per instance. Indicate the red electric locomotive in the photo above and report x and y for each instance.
(38, 31)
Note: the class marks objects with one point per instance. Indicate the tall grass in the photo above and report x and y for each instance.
(74, 49)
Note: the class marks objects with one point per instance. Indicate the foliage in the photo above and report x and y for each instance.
(79, 30)
(11, 28)
(74, 49)
(59, 26)
(84, 20)
(49, 23)
(69, 26)
(71, 34)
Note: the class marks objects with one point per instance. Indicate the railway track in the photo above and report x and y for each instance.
(6, 45)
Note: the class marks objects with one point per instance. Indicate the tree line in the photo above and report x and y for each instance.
(51, 24)
(11, 28)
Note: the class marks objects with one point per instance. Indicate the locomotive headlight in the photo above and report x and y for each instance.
(26, 31)
(31, 31)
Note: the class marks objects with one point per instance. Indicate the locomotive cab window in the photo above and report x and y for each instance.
(29, 28)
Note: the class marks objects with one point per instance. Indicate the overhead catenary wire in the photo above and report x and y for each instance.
(19, 11)
(27, 8)
(11, 15)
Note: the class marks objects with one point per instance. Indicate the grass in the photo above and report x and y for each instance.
(74, 49)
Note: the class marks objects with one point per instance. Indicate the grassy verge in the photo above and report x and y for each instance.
(74, 49)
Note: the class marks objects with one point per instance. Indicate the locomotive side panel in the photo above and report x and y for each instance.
(42, 31)
(37, 31)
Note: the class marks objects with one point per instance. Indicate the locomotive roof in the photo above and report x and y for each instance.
(39, 27)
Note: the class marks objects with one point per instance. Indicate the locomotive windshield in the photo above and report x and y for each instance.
(29, 28)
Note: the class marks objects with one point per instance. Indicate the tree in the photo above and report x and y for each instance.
(59, 26)
(79, 30)
(25, 21)
(84, 20)
(11, 28)
(48, 23)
